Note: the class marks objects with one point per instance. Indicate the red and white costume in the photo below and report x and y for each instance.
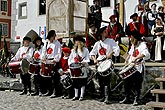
(52, 50)
(23, 52)
(135, 51)
(104, 48)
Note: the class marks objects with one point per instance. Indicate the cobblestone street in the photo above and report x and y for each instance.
(13, 101)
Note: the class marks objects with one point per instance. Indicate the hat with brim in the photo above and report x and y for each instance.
(38, 38)
(79, 38)
(112, 17)
(27, 39)
(134, 15)
(136, 35)
(66, 50)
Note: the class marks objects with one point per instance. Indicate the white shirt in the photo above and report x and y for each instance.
(52, 51)
(84, 56)
(134, 52)
(37, 53)
(23, 52)
(104, 48)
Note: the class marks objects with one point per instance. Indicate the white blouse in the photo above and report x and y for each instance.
(134, 52)
(52, 50)
(104, 48)
(83, 56)
(24, 52)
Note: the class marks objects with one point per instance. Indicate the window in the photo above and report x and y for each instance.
(22, 11)
(4, 29)
(105, 3)
(4, 5)
(42, 7)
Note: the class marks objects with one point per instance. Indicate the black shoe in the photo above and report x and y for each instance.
(81, 99)
(28, 94)
(102, 99)
(135, 102)
(40, 94)
(106, 100)
(23, 92)
(35, 93)
(53, 96)
(125, 101)
(74, 98)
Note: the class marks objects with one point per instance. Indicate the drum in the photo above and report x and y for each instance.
(33, 67)
(127, 71)
(47, 69)
(24, 66)
(66, 81)
(14, 67)
(105, 68)
(76, 70)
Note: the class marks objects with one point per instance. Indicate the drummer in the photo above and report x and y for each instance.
(52, 52)
(104, 48)
(79, 54)
(137, 54)
(64, 70)
(38, 45)
(24, 52)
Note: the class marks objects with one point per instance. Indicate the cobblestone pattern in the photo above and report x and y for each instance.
(13, 101)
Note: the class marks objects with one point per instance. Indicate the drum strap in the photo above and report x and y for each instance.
(28, 50)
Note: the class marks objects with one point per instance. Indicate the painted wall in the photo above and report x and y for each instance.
(21, 26)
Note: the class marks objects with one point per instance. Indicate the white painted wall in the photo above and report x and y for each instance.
(33, 21)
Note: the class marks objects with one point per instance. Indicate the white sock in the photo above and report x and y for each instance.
(76, 92)
(82, 91)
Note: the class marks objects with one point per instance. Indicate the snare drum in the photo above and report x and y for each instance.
(47, 70)
(76, 70)
(127, 71)
(105, 68)
(14, 67)
(33, 67)
(66, 81)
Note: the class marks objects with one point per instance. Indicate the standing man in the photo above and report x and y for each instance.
(96, 14)
(104, 49)
(135, 25)
(137, 54)
(70, 42)
(25, 52)
(115, 31)
(52, 53)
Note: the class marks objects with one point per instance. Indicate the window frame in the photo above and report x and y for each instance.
(39, 9)
(105, 6)
(6, 11)
(2, 24)
(20, 10)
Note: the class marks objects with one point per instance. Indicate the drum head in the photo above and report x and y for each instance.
(104, 66)
(24, 65)
(126, 68)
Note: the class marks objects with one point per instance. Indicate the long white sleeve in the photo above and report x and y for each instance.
(115, 48)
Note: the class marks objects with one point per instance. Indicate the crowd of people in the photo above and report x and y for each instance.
(62, 69)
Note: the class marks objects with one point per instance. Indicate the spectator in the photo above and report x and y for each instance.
(161, 14)
(152, 15)
(158, 32)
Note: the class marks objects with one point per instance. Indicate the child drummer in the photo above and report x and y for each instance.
(137, 54)
(79, 55)
(64, 70)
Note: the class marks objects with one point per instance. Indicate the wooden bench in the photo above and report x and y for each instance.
(156, 104)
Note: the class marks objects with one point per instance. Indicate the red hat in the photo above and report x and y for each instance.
(66, 50)
(112, 17)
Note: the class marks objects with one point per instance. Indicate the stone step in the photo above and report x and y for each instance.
(156, 104)
(158, 91)
(160, 79)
